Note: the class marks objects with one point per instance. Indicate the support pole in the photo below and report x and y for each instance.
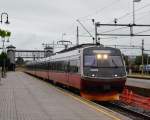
(3, 44)
(77, 36)
(142, 56)
(133, 13)
(95, 33)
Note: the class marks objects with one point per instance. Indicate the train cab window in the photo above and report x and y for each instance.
(94, 61)
(90, 60)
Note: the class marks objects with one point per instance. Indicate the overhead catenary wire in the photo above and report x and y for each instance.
(100, 10)
(130, 13)
(138, 9)
(141, 13)
(125, 15)
(85, 28)
(143, 31)
(114, 29)
(141, 17)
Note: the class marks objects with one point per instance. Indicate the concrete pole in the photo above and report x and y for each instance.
(77, 36)
(142, 56)
(95, 33)
(133, 12)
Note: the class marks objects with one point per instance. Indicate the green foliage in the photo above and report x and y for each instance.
(3, 56)
(138, 59)
(126, 60)
(4, 33)
(8, 34)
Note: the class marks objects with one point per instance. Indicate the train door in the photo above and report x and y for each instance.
(68, 72)
(48, 69)
(81, 62)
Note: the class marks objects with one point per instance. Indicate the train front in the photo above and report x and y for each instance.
(104, 74)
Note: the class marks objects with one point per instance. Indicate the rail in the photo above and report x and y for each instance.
(131, 111)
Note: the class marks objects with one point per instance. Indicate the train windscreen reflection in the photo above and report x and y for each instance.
(112, 61)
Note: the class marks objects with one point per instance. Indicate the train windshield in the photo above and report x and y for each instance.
(108, 61)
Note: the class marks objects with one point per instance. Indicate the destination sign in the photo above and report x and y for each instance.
(102, 51)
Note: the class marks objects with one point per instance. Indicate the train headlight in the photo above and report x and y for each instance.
(116, 75)
(105, 56)
(93, 75)
(99, 56)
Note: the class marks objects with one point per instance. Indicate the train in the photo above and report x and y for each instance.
(96, 71)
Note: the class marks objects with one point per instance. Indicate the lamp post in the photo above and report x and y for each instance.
(4, 34)
(147, 59)
(134, 9)
(7, 21)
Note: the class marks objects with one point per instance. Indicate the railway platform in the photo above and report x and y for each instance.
(140, 83)
(139, 76)
(23, 97)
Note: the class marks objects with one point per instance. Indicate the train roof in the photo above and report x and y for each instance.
(78, 47)
(63, 51)
(68, 50)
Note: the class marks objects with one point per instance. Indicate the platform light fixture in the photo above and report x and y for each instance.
(7, 21)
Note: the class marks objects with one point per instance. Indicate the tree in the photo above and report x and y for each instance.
(4, 33)
(138, 60)
(126, 59)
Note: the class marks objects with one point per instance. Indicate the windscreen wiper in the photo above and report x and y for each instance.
(116, 66)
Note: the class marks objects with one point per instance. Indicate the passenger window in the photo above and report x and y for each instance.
(74, 66)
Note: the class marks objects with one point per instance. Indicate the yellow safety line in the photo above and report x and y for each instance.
(86, 103)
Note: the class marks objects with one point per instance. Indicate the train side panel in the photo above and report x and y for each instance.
(75, 80)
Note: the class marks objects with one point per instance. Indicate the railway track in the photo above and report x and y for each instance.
(132, 112)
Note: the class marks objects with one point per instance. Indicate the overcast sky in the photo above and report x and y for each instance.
(33, 22)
